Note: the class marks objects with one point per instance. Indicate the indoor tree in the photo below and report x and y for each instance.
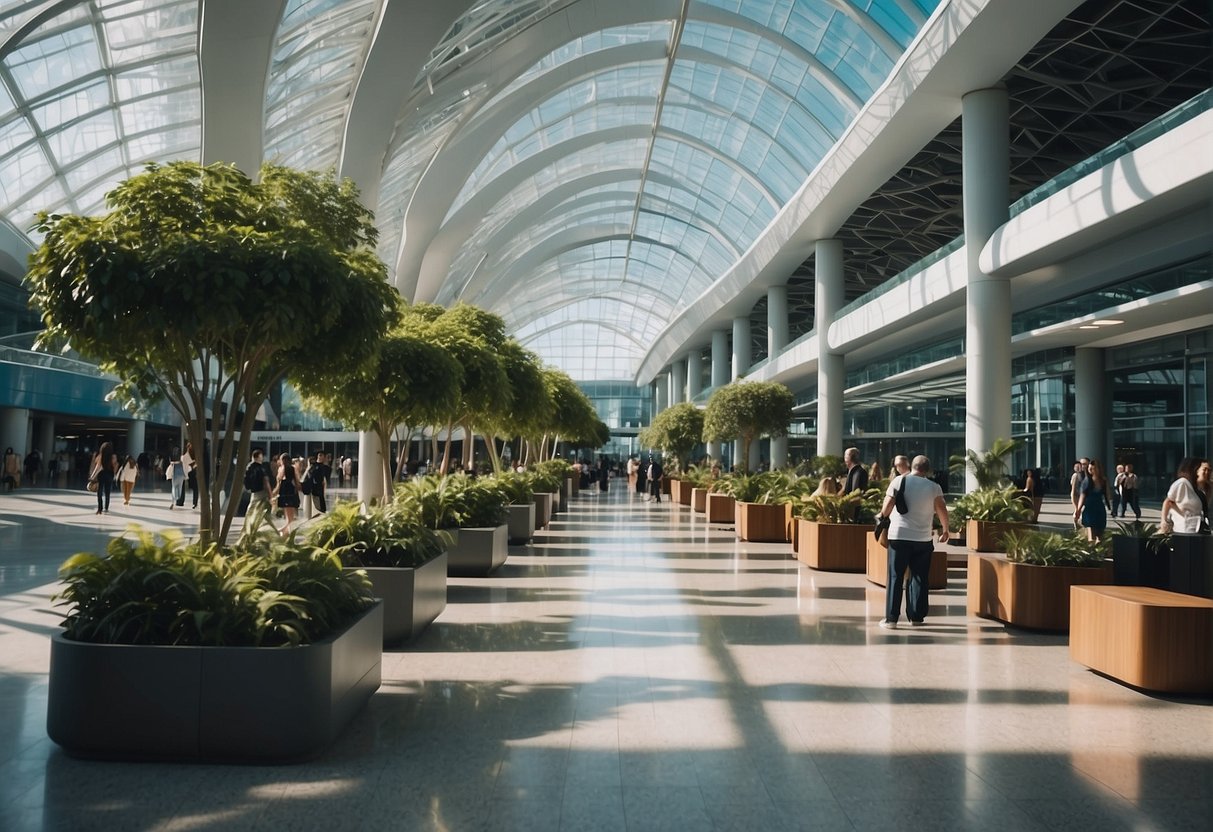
(746, 410)
(205, 289)
(675, 430)
(530, 403)
(989, 469)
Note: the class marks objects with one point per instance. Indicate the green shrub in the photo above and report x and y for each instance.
(1042, 548)
(454, 501)
(517, 487)
(996, 505)
(390, 535)
(856, 507)
(262, 592)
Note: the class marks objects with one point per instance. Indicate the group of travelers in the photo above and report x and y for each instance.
(646, 478)
(285, 483)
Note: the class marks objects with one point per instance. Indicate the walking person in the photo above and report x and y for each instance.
(1204, 486)
(857, 475)
(191, 473)
(320, 473)
(1184, 508)
(642, 479)
(1118, 483)
(1128, 493)
(1080, 474)
(103, 470)
(1093, 503)
(654, 475)
(259, 482)
(604, 473)
(287, 491)
(12, 470)
(127, 477)
(910, 544)
(174, 471)
(33, 467)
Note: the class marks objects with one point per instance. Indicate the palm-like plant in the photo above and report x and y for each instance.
(1053, 549)
(855, 507)
(989, 468)
(993, 505)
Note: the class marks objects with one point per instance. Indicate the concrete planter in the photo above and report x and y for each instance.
(521, 522)
(412, 597)
(699, 500)
(569, 488)
(721, 508)
(985, 536)
(832, 547)
(762, 523)
(242, 704)
(878, 566)
(575, 484)
(543, 510)
(477, 552)
(1035, 597)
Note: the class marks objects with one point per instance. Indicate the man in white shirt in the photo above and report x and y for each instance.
(1128, 493)
(1117, 492)
(910, 543)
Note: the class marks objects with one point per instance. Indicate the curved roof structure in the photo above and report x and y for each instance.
(584, 168)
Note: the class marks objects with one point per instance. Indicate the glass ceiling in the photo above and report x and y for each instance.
(585, 176)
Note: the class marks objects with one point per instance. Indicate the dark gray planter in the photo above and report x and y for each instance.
(412, 597)
(242, 704)
(543, 510)
(570, 488)
(477, 552)
(1134, 563)
(1191, 564)
(521, 523)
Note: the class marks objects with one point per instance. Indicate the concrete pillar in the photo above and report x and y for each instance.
(777, 320)
(1091, 407)
(371, 483)
(663, 392)
(986, 163)
(14, 431)
(678, 382)
(779, 452)
(756, 454)
(694, 374)
(831, 369)
(720, 358)
(743, 352)
(136, 437)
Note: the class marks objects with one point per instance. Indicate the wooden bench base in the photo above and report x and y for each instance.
(1146, 637)
(878, 566)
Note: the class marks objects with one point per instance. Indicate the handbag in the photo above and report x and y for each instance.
(881, 531)
(92, 485)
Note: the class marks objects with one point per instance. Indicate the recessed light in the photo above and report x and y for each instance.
(1107, 322)
(1088, 326)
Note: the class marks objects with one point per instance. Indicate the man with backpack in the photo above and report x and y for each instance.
(258, 484)
(315, 483)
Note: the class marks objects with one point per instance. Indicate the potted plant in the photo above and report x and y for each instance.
(544, 487)
(1030, 586)
(719, 503)
(261, 652)
(520, 511)
(992, 513)
(405, 560)
(472, 512)
(834, 529)
(1140, 555)
(763, 505)
(700, 481)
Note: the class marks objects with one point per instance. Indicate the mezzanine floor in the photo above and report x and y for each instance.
(637, 669)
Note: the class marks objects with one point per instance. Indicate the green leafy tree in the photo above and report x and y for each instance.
(410, 381)
(676, 430)
(530, 404)
(205, 289)
(746, 410)
(572, 416)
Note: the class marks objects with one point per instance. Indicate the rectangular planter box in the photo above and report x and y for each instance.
(477, 552)
(412, 597)
(521, 523)
(878, 566)
(699, 500)
(1135, 564)
(543, 510)
(680, 492)
(219, 704)
(832, 547)
(1035, 597)
(761, 523)
(574, 485)
(568, 489)
(721, 508)
(1191, 564)
(983, 536)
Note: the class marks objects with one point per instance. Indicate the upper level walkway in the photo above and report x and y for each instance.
(635, 668)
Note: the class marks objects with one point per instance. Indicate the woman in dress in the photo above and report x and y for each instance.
(1183, 509)
(287, 491)
(191, 474)
(1094, 502)
(103, 469)
(127, 477)
(174, 471)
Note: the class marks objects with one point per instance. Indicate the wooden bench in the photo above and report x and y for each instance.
(1146, 637)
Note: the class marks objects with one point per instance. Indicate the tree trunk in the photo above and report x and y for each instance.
(446, 451)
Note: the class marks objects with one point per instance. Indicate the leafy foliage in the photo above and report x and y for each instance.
(747, 410)
(516, 487)
(989, 468)
(387, 535)
(998, 505)
(263, 592)
(453, 501)
(1157, 541)
(856, 507)
(675, 430)
(1042, 548)
(826, 465)
(255, 280)
(770, 487)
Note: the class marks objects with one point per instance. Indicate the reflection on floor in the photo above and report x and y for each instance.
(636, 669)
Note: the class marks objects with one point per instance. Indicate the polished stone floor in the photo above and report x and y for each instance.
(636, 669)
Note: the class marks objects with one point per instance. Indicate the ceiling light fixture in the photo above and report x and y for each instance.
(1107, 322)
(1088, 326)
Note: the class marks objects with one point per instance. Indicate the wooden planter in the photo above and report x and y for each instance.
(543, 510)
(721, 508)
(521, 522)
(1035, 597)
(832, 547)
(245, 704)
(477, 552)
(699, 500)
(412, 596)
(762, 523)
(675, 489)
(666, 484)
(983, 536)
(684, 494)
(878, 566)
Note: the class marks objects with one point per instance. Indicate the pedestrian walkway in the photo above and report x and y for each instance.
(632, 669)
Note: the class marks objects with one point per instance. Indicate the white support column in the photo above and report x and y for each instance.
(136, 437)
(1091, 407)
(678, 382)
(694, 374)
(720, 377)
(831, 369)
(777, 320)
(663, 392)
(986, 163)
(14, 431)
(743, 352)
(370, 468)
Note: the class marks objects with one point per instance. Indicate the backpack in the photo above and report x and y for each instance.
(305, 486)
(254, 477)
